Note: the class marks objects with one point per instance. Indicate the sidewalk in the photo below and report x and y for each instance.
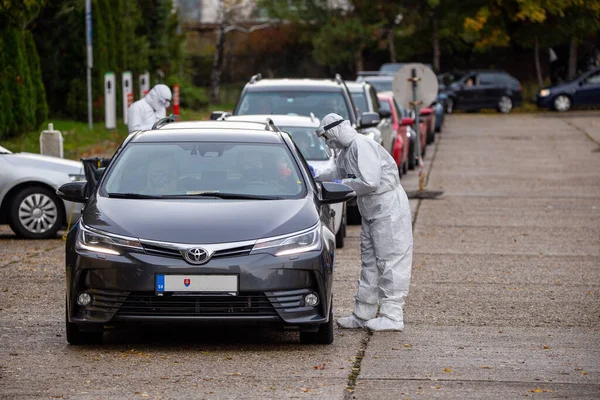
(505, 293)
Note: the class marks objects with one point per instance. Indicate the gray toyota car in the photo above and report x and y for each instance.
(216, 222)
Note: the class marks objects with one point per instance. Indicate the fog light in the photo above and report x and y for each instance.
(311, 299)
(84, 299)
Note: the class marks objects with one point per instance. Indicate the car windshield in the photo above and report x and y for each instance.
(293, 103)
(201, 168)
(390, 67)
(360, 101)
(311, 147)
(382, 85)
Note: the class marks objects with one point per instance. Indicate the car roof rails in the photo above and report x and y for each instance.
(270, 126)
(340, 80)
(256, 78)
(164, 121)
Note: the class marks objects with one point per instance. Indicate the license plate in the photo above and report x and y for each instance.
(197, 283)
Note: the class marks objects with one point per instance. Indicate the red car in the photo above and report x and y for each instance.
(388, 104)
(427, 116)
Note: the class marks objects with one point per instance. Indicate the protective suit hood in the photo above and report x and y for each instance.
(343, 134)
(156, 94)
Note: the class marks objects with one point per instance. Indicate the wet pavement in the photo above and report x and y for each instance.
(504, 299)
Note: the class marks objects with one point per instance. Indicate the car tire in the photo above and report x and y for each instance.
(354, 217)
(76, 336)
(430, 136)
(423, 151)
(323, 336)
(449, 105)
(405, 167)
(505, 105)
(562, 103)
(339, 236)
(412, 160)
(36, 213)
(345, 221)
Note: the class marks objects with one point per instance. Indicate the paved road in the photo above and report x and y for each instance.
(504, 301)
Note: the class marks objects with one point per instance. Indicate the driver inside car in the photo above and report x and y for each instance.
(162, 176)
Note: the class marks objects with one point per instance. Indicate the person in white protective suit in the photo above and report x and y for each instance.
(145, 112)
(386, 240)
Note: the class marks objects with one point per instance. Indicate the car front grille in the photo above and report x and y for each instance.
(170, 252)
(148, 304)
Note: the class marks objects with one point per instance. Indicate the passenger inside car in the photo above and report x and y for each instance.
(163, 171)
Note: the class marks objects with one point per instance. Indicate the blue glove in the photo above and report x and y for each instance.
(312, 170)
(337, 180)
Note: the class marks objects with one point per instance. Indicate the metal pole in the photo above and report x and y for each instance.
(417, 111)
(90, 61)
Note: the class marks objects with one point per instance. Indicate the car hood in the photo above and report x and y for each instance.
(44, 162)
(200, 221)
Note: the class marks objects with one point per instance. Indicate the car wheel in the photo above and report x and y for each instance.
(412, 160)
(36, 213)
(345, 220)
(449, 105)
(423, 151)
(354, 217)
(339, 236)
(405, 167)
(505, 105)
(323, 336)
(562, 103)
(77, 337)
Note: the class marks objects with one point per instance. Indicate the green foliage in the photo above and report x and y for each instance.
(340, 42)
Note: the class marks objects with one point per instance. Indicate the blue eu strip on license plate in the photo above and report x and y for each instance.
(160, 283)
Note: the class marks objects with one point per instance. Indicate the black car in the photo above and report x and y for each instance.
(484, 89)
(582, 91)
(204, 224)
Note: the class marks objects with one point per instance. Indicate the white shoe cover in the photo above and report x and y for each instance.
(351, 322)
(383, 324)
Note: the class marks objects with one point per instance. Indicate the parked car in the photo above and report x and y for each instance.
(428, 116)
(582, 91)
(229, 227)
(401, 131)
(365, 99)
(304, 97)
(28, 200)
(484, 89)
(381, 82)
(314, 151)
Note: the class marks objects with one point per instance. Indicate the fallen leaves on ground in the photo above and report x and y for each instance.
(321, 367)
(447, 370)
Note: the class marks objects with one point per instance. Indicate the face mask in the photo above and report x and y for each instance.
(164, 103)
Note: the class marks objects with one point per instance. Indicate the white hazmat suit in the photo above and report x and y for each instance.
(386, 240)
(142, 114)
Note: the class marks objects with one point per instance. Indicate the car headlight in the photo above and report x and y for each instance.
(93, 240)
(295, 243)
(76, 177)
(544, 92)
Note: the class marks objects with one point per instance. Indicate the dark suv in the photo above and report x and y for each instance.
(475, 90)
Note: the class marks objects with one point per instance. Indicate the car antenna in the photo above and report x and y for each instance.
(166, 120)
(271, 125)
(312, 117)
(256, 78)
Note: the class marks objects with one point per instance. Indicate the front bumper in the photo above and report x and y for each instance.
(271, 289)
(544, 102)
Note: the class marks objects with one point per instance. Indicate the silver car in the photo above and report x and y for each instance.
(28, 200)
(315, 152)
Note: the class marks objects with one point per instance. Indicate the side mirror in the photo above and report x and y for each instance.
(369, 119)
(407, 121)
(74, 191)
(335, 193)
(385, 113)
(98, 173)
(581, 82)
(215, 115)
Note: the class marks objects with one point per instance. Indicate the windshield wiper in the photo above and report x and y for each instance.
(133, 196)
(220, 195)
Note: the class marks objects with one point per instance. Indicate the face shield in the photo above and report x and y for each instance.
(325, 133)
(164, 103)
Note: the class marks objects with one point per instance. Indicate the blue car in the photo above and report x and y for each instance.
(582, 91)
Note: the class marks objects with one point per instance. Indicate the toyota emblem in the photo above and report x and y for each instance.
(196, 255)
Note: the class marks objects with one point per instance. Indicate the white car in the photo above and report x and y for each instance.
(314, 150)
(28, 200)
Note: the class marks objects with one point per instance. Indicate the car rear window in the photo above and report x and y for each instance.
(381, 85)
(188, 168)
(293, 103)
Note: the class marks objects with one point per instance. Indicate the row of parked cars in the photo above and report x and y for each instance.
(210, 222)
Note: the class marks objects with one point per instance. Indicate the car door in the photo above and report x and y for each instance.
(492, 87)
(588, 93)
(468, 94)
